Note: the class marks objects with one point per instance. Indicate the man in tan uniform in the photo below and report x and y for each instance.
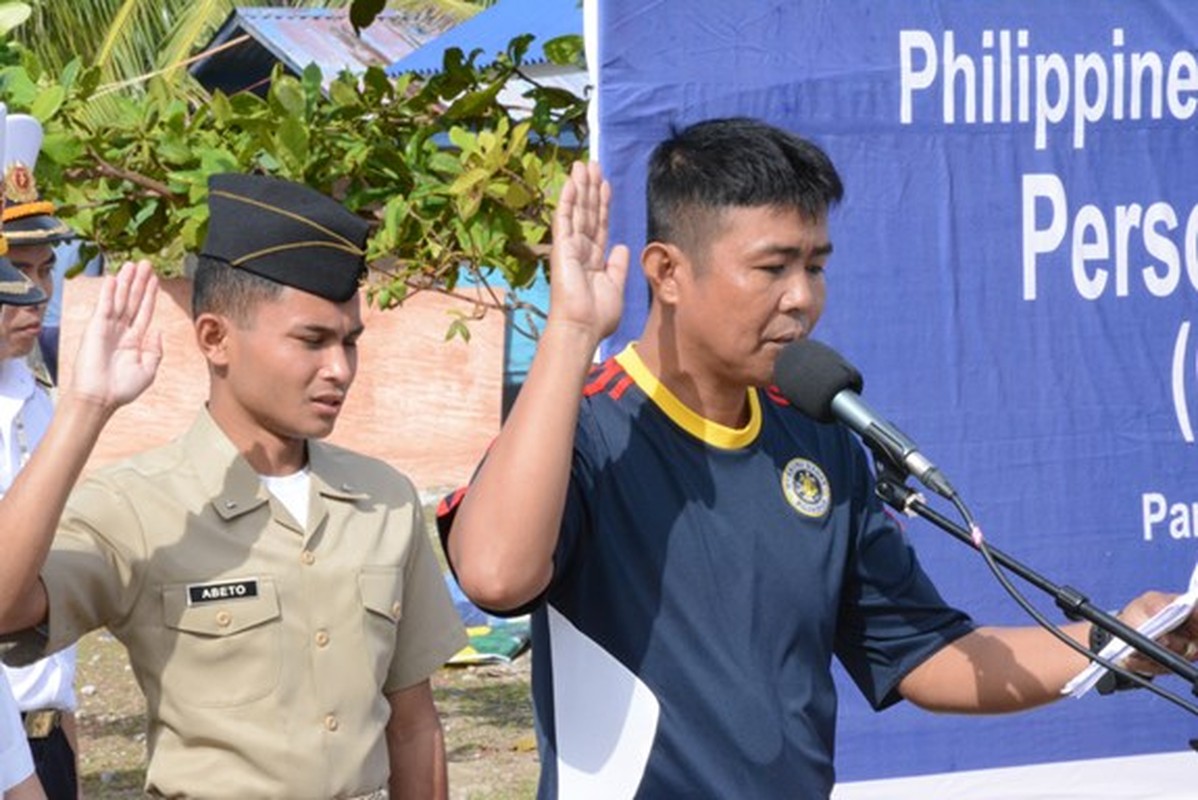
(281, 604)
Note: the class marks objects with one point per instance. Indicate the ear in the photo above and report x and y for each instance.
(212, 337)
(661, 263)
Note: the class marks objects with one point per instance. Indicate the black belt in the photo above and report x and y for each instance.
(41, 723)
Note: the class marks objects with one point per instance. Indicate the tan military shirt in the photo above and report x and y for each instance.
(264, 649)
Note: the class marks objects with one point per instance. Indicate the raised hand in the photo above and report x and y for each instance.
(587, 286)
(119, 355)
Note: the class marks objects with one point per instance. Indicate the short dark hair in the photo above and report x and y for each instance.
(733, 162)
(220, 288)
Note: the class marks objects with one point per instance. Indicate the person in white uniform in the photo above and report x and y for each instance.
(44, 691)
(17, 778)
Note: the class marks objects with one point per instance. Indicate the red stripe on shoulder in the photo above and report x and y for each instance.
(601, 376)
(775, 394)
(450, 502)
(621, 386)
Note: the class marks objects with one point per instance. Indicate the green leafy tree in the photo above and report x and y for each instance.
(452, 181)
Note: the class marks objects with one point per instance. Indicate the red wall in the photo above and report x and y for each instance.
(427, 406)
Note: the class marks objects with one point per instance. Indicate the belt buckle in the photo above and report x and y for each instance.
(41, 723)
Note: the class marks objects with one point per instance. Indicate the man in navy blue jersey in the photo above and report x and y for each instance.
(694, 550)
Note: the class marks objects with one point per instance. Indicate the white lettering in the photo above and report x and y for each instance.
(1089, 220)
(1089, 108)
(1181, 524)
(1046, 89)
(910, 80)
(1092, 260)
(1052, 65)
(1183, 78)
(1178, 519)
(1160, 247)
(1153, 506)
(1037, 240)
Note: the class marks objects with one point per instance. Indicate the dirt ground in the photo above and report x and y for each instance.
(485, 711)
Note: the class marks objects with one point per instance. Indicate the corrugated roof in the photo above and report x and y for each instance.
(492, 29)
(298, 37)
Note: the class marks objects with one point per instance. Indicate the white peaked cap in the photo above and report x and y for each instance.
(23, 140)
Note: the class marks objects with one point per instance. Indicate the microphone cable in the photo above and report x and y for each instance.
(1000, 575)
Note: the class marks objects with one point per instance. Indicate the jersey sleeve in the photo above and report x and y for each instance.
(575, 514)
(892, 616)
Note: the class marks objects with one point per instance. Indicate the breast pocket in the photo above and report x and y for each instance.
(221, 653)
(381, 590)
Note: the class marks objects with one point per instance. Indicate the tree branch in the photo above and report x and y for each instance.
(137, 179)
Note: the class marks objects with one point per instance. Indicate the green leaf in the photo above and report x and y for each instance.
(174, 149)
(463, 139)
(458, 328)
(518, 46)
(70, 73)
(18, 88)
(471, 103)
(218, 160)
(377, 84)
(469, 180)
(313, 80)
(12, 14)
(287, 92)
(62, 148)
(48, 102)
(566, 50)
(89, 81)
(293, 146)
(344, 94)
(363, 12)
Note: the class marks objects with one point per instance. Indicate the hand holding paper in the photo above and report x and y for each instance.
(1165, 620)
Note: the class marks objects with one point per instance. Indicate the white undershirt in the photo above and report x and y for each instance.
(292, 491)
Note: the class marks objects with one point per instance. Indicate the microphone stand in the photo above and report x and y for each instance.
(892, 489)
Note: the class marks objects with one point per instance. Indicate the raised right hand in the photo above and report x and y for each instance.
(586, 286)
(119, 355)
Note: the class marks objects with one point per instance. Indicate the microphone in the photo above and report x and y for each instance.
(825, 387)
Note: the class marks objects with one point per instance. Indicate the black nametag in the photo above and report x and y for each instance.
(199, 593)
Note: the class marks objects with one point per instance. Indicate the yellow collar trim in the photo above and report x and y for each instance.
(713, 433)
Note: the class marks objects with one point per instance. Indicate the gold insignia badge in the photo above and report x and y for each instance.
(19, 184)
(806, 488)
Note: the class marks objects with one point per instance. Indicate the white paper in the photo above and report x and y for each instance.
(1116, 649)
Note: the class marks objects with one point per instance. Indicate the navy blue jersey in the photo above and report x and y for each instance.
(703, 580)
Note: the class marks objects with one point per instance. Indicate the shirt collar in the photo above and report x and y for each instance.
(694, 423)
(16, 379)
(234, 485)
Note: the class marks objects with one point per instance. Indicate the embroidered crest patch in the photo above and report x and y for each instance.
(19, 185)
(806, 488)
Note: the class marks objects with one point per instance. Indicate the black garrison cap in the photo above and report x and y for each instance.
(15, 288)
(286, 232)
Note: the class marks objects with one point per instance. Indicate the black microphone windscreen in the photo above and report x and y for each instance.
(810, 374)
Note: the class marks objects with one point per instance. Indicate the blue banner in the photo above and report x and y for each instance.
(1015, 274)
